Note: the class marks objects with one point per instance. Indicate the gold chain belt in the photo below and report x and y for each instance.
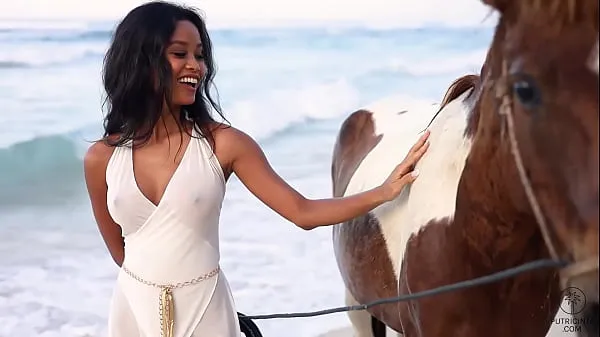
(166, 306)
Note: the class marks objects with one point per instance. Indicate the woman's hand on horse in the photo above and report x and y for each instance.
(405, 172)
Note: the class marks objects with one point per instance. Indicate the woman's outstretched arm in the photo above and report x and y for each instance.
(251, 166)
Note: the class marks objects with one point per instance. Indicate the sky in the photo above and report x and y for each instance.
(271, 12)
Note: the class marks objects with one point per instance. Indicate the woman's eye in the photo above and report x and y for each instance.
(199, 57)
(179, 54)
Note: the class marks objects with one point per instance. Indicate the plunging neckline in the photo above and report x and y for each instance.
(166, 189)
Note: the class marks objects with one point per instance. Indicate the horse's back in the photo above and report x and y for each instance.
(371, 143)
(395, 123)
(364, 138)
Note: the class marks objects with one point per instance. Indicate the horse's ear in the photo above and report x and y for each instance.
(499, 5)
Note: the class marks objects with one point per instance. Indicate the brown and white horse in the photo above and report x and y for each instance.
(469, 214)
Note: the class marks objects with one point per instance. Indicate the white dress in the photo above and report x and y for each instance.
(172, 242)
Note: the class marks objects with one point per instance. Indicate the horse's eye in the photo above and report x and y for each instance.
(527, 93)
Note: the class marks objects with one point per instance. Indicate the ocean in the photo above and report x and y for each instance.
(289, 88)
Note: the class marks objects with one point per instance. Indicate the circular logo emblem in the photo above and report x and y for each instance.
(573, 301)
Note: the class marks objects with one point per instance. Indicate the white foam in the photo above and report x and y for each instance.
(27, 54)
(434, 65)
(276, 110)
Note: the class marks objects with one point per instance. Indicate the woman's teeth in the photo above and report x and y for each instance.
(192, 82)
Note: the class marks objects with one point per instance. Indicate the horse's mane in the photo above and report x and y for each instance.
(458, 87)
(559, 13)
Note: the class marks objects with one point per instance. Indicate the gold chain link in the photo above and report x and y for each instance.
(172, 286)
(166, 307)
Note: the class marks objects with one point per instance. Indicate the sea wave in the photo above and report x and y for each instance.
(44, 156)
(265, 114)
(262, 114)
(13, 64)
(56, 54)
(274, 114)
(21, 46)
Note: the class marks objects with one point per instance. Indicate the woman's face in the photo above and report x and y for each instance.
(187, 63)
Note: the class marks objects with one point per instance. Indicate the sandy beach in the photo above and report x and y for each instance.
(558, 329)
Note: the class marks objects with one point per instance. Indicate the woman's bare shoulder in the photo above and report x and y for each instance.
(229, 137)
(229, 142)
(218, 128)
(98, 154)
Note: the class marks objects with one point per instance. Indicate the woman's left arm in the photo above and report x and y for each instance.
(251, 166)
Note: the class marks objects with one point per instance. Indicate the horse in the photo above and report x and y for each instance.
(510, 176)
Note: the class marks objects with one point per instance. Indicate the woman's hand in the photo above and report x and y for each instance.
(405, 172)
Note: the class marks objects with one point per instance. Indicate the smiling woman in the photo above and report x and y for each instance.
(158, 208)
(156, 73)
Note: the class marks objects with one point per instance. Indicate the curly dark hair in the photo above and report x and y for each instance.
(137, 76)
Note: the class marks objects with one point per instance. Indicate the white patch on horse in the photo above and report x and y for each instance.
(433, 194)
(594, 59)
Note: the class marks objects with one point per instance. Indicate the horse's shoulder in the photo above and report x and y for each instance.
(355, 140)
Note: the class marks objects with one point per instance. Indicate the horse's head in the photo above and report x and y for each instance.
(539, 104)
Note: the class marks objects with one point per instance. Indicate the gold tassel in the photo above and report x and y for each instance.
(168, 312)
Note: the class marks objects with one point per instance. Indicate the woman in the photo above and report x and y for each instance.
(156, 180)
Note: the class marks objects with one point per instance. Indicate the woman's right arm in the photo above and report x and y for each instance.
(94, 163)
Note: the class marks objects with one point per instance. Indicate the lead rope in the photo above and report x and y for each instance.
(248, 328)
(506, 111)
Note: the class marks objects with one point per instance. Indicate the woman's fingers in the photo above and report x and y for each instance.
(409, 177)
(415, 153)
(414, 156)
(420, 152)
(420, 142)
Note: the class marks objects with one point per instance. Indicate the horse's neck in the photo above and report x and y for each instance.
(492, 214)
